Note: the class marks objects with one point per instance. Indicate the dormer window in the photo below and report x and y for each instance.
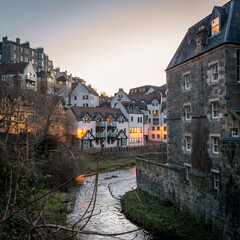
(215, 25)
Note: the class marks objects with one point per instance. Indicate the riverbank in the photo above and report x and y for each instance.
(163, 219)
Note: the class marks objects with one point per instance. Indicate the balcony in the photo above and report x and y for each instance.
(100, 124)
(101, 135)
(111, 134)
(112, 124)
(30, 78)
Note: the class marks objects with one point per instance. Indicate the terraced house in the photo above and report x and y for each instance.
(203, 114)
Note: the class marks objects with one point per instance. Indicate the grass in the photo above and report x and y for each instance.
(111, 164)
(163, 219)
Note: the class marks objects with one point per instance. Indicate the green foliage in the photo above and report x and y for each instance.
(163, 219)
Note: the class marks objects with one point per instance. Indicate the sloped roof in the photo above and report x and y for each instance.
(229, 32)
(93, 112)
(145, 97)
(44, 74)
(90, 90)
(11, 68)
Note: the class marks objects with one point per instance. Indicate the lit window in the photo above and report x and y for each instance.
(84, 120)
(187, 82)
(215, 179)
(215, 145)
(215, 110)
(235, 132)
(214, 73)
(188, 143)
(238, 66)
(187, 112)
(215, 25)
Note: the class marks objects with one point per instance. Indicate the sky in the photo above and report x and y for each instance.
(111, 44)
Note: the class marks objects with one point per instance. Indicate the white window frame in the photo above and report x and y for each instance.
(238, 65)
(188, 168)
(235, 132)
(214, 109)
(188, 145)
(186, 81)
(187, 110)
(215, 144)
(215, 179)
(214, 73)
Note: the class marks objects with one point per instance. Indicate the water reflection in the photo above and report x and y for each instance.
(108, 218)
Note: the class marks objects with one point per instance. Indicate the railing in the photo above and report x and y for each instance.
(101, 135)
(112, 124)
(111, 134)
(100, 124)
(29, 77)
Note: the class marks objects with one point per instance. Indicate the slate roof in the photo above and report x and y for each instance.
(12, 68)
(94, 112)
(229, 15)
(90, 90)
(145, 97)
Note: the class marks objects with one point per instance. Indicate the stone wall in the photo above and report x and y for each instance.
(220, 208)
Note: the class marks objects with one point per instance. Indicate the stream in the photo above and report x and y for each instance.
(107, 214)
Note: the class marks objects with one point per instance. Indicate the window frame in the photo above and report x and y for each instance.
(214, 73)
(217, 25)
(187, 116)
(215, 179)
(187, 144)
(186, 78)
(238, 65)
(214, 144)
(236, 132)
(214, 110)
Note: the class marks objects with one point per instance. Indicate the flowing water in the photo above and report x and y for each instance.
(108, 217)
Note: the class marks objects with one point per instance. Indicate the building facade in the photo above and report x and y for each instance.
(16, 52)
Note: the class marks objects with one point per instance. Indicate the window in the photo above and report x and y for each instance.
(139, 119)
(75, 97)
(14, 47)
(215, 25)
(215, 110)
(187, 82)
(165, 128)
(187, 113)
(158, 136)
(187, 170)
(132, 119)
(164, 120)
(188, 143)
(83, 104)
(153, 128)
(234, 132)
(153, 136)
(26, 51)
(21, 49)
(215, 179)
(158, 128)
(238, 66)
(26, 59)
(86, 104)
(0, 56)
(14, 56)
(214, 73)
(165, 136)
(215, 145)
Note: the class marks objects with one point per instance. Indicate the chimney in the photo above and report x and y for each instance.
(5, 39)
(17, 81)
(18, 41)
(201, 38)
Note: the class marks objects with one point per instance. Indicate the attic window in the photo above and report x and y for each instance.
(215, 25)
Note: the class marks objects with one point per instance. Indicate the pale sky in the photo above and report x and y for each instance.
(111, 44)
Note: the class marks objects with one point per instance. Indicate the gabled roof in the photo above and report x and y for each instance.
(93, 112)
(147, 98)
(229, 15)
(12, 68)
(91, 90)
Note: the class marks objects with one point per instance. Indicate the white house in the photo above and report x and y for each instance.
(21, 75)
(119, 96)
(135, 122)
(83, 96)
(97, 127)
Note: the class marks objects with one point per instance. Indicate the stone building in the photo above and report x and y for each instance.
(203, 90)
(202, 173)
(203, 100)
(16, 52)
